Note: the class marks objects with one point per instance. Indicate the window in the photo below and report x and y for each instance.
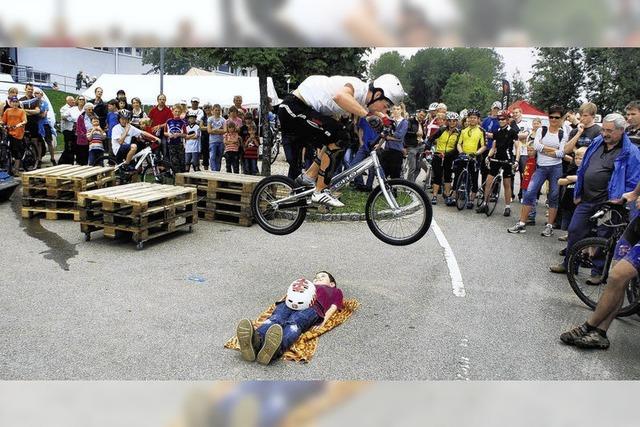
(137, 52)
(41, 77)
(224, 68)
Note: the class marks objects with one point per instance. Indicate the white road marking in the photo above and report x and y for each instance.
(452, 263)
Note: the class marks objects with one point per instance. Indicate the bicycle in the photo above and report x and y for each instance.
(463, 184)
(426, 158)
(276, 141)
(593, 256)
(496, 186)
(148, 164)
(279, 206)
(29, 159)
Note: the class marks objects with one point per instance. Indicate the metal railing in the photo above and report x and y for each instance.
(27, 74)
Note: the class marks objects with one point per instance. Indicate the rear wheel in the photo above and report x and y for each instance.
(268, 214)
(494, 195)
(105, 160)
(30, 158)
(461, 190)
(275, 148)
(586, 261)
(5, 158)
(161, 173)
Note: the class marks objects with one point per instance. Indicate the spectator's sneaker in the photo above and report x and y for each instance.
(304, 181)
(272, 341)
(558, 268)
(450, 201)
(574, 334)
(507, 212)
(563, 238)
(518, 228)
(562, 252)
(245, 332)
(469, 205)
(325, 198)
(482, 208)
(434, 200)
(593, 339)
(547, 231)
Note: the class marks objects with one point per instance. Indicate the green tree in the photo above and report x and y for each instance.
(464, 90)
(518, 87)
(610, 80)
(557, 77)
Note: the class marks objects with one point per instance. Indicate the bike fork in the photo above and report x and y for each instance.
(391, 201)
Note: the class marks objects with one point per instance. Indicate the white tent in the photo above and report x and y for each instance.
(6, 83)
(212, 89)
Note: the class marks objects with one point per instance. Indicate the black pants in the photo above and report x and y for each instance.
(204, 151)
(82, 154)
(391, 162)
(67, 156)
(233, 161)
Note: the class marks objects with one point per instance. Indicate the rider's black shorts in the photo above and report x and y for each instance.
(306, 125)
(495, 166)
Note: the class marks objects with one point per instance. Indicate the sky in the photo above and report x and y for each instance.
(515, 58)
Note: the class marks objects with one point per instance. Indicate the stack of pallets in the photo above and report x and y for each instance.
(142, 210)
(222, 197)
(53, 191)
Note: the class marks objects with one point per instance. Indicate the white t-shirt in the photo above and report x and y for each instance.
(318, 92)
(550, 140)
(199, 114)
(524, 127)
(192, 145)
(116, 134)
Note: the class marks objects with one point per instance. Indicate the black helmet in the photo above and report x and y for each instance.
(124, 114)
(474, 112)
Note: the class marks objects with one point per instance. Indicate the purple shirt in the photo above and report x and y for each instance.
(325, 297)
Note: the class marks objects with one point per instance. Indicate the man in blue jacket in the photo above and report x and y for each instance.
(610, 168)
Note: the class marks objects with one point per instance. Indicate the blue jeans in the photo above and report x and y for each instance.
(294, 323)
(543, 173)
(192, 159)
(362, 154)
(251, 166)
(94, 154)
(216, 149)
(580, 226)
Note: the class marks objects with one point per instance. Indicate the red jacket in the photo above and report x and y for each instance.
(81, 131)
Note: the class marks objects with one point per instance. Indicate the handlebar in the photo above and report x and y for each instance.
(621, 210)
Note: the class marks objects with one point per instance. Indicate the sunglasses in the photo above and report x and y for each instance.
(555, 117)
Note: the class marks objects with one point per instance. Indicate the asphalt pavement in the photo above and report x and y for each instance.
(102, 310)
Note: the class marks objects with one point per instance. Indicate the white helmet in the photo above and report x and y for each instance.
(441, 106)
(390, 87)
(301, 294)
(433, 106)
(463, 113)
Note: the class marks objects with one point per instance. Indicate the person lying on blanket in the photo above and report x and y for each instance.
(307, 305)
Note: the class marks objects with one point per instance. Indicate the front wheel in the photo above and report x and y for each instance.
(461, 190)
(275, 150)
(586, 262)
(271, 217)
(105, 160)
(404, 224)
(494, 195)
(161, 173)
(30, 159)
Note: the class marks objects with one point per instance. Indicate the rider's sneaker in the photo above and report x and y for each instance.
(325, 198)
(547, 231)
(434, 200)
(518, 228)
(449, 201)
(482, 208)
(574, 334)
(593, 340)
(507, 212)
(469, 205)
(304, 181)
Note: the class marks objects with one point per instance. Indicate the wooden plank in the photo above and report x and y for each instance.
(53, 214)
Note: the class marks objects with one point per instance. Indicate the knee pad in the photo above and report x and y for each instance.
(335, 158)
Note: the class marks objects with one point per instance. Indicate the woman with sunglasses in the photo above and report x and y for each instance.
(549, 144)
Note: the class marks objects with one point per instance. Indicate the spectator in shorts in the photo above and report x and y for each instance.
(175, 131)
(96, 137)
(15, 119)
(231, 147)
(216, 128)
(251, 144)
(192, 142)
(444, 145)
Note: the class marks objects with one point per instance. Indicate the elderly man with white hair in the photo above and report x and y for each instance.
(67, 125)
(610, 168)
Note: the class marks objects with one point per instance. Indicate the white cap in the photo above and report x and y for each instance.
(183, 101)
(497, 105)
(195, 99)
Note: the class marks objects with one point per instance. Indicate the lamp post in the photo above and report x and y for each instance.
(288, 77)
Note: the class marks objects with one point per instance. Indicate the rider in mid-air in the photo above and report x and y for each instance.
(312, 112)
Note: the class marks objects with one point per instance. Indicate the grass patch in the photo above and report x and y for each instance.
(58, 98)
(354, 201)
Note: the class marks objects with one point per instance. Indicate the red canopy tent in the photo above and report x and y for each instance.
(527, 109)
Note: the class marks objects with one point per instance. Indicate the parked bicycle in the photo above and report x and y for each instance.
(463, 183)
(146, 165)
(426, 158)
(496, 187)
(398, 212)
(590, 259)
(29, 159)
(276, 141)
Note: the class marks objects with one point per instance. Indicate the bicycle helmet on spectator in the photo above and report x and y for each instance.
(301, 294)
(124, 114)
(463, 113)
(452, 115)
(473, 112)
(390, 87)
(433, 106)
(441, 106)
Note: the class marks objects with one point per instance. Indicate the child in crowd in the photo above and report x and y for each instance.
(216, 128)
(566, 204)
(175, 131)
(112, 120)
(96, 137)
(15, 119)
(192, 142)
(251, 144)
(231, 147)
(288, 321)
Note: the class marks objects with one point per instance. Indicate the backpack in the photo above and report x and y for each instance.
(411, 137)
(560, 133)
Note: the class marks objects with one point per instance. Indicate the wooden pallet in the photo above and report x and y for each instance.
(222, 197)
(142, 210)
(53, 214)
(68, 178)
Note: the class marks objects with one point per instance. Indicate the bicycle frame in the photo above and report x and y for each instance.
(142, 155)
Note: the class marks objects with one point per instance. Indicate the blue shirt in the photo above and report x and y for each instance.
(490, 124)
(44, 109)
(401, 130)
(368, 134)
(175, 125)
(112, 120)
